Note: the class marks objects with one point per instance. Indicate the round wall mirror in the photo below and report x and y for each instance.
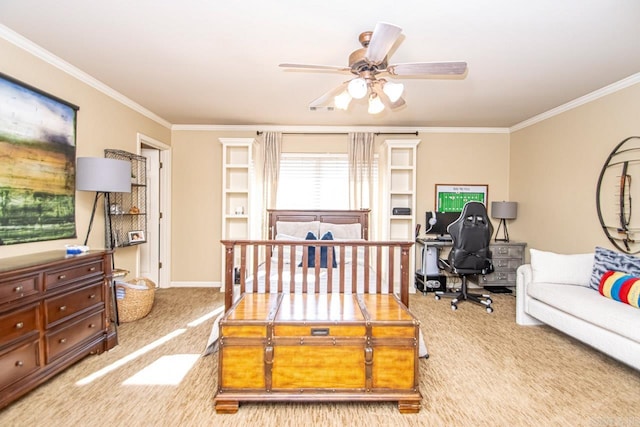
(618, 189)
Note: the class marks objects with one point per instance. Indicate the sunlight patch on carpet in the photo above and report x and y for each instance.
(168, 370)
(115, 365)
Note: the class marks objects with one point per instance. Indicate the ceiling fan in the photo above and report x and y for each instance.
(369, 64)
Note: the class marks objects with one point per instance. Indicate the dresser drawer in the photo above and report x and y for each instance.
(18, 362)
(499, 278)
(60, 308)
(15, 289)
(65, 275)
(506, 264)
(507, 251)
(19, 323)
(67, 336)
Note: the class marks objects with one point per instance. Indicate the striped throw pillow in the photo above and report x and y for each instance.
(621, 287)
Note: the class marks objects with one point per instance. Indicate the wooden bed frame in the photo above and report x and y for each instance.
(286, 346)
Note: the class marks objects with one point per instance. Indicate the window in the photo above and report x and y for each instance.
(314, 181)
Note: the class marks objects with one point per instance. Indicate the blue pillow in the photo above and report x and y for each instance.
(311, 251)
(606, 259)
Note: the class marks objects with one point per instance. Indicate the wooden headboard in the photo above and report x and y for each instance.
(335, 217)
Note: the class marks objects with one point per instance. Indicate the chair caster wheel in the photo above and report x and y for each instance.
(489, 301)
(454, 307)
(437, 297)
(489, 309)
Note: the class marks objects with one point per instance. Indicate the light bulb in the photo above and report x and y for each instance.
(375, 104)
(342, 101)
(357, 88)
(393, 90)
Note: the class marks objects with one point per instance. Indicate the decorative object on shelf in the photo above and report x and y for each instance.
(503, 211)
(102, 176)
(36, 167)
(136, 236)
(614, 196)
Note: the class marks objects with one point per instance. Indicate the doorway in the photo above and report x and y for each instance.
(154, 257)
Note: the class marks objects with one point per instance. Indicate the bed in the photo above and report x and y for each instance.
(317, 312)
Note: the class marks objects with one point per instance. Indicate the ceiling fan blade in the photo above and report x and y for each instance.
(382, 39)
(427, 68)
(328, 96)
(316, 67)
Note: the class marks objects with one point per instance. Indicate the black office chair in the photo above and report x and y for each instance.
(470, 254)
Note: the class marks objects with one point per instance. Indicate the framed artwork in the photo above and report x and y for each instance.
(37, 164)
(452, 197)
(136, 236)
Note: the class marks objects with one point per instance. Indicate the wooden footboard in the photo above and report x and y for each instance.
(278, 259)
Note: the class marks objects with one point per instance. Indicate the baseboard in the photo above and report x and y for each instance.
(175, 284)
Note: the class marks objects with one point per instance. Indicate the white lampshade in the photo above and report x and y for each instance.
(103, 175)
(375, 104)
(504, 210)
(393, 90)
(342, 101)
(357, 88)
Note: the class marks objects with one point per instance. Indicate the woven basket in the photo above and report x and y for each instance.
(136, 303)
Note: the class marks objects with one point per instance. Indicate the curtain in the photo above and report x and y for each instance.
(361, 146)
(271, 149)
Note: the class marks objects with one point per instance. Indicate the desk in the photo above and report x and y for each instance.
(507, 257)
(428, 277)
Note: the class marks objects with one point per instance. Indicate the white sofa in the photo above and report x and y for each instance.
(575, 308)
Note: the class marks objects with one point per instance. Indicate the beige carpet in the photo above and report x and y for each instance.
(483, 370)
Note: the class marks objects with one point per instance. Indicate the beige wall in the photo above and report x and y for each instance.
(555, 166)
(102, 123)
(463, 158)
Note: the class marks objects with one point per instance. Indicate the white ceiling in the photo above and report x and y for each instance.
(216, 62)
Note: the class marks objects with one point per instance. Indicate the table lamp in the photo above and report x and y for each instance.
(503, 211)
(103, 176)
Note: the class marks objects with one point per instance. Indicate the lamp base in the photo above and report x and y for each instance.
(503, 224)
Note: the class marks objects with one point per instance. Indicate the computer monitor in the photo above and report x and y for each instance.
(443, 219)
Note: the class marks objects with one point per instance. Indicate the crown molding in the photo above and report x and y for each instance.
(46, 56)
(607, 90)
(334, 129)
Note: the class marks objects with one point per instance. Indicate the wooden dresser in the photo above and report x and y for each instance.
(53, 312)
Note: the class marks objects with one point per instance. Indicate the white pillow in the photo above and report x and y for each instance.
(549, 267)
(286, 249)
(348, 252)
(342, 231)
(297, 229)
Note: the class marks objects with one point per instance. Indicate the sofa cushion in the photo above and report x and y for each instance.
(621, 287)
(549, 267)
(588, 305)
(606, 259)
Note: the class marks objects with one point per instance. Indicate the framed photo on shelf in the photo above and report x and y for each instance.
(136, 236)
(452, 197)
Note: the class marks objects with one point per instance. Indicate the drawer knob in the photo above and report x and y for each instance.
(19, 325)
(92, 325)
(92, 269)
(62, 340)
(62, 276)
(18, 288)
(19, 363)
(63, 308)
(92, 296)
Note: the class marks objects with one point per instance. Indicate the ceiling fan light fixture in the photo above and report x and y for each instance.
(375, 104)
(357, 88)
(342, 100)
(393, 90)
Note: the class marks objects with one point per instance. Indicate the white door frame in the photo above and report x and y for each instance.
(165, 207)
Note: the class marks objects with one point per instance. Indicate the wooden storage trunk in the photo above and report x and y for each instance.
(318, 347)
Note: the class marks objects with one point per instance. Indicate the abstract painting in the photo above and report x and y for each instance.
(37, 164)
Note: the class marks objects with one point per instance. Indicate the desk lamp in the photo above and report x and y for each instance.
(103, 176)
(503, 211)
